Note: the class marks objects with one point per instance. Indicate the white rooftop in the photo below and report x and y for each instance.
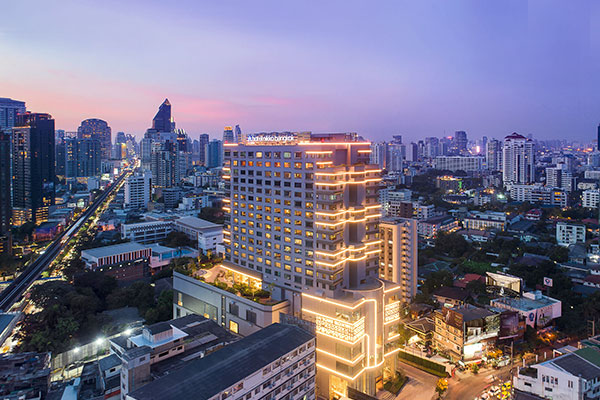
(196, 223)
(106, 251)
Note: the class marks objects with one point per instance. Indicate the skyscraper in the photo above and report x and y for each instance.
(228, 136)
(9, 109)
(33, 167)
(203, 141)
(82, 157)
(598, 138)
(302, 213)
(460, 141)
(494, 155)
(163, 122)
(379, 154)
(238, 134)
(214, 154)
(5, 183)
(164, 166)
(121, 138)
(398, 259)
(138, 190)
(517, 160)
(98, 129)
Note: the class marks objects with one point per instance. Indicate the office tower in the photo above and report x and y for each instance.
(517, 160)
(33, 167)
(5, 191)
(378, 155)
(432, 147)
(164, 165)
(228, 136)
(494, 155)
(214, 154)
(203, 142)
(60, 156)
(121, 138)
(183, 141)
(396, 154)
(138, 190)
(598, 138)
(5, 183)
(398, 259)
(9, 109)
(460, 141)
(412, 152)
(238, 134)
(119, 151)
(82, 157)
(302, 213)
(163, 121)
(445, 145)
(99, 130)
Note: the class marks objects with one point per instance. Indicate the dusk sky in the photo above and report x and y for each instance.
(417, 68)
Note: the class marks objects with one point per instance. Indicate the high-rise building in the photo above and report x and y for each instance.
(163, 121)
(82, 157)
(203, 142)
(460, 141)
(238, 134)
(494, 155)
(379, 154)
(518, 165)
(302, 213)
(5, 183)
(138, 190)
(33, 167)
(398, 259)
(164, 166)
(598, 138)
(432, 147)
(99, 130)
(9, 109)
(228, 136)
(214, 153)
(121, 138)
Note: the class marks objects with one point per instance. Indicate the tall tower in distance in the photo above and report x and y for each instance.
(33, 167)
(302, 213)
(598, 138)
(228, 135)
(99, 130)
(9, 109)
(517, 160)
(163, 121)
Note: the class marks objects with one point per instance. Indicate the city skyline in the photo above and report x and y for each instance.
(412, 68)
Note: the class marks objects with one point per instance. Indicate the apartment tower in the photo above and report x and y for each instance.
(398, 259)
(518, 165)
(303, 213)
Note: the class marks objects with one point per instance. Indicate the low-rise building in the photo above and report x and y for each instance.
(207, 234)
(448, 296)
(590, 198)
(147, 232)
(277, 362)
(567, 233)
(430, 227)
(537, 310)
(573, 376)
(467, 332)
(488, 220)
(24, 375)
(163, 255)
(124, 261)
(539, 194)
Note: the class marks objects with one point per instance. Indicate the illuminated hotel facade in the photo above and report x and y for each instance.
(303, 212)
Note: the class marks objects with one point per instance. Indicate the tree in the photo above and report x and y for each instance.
(212, 214)
(559, 254)
(178, 239)
(452, 244)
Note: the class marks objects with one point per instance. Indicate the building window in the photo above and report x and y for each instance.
(251, 316)
(233, 326)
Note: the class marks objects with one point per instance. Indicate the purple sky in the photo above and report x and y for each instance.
(417, 68)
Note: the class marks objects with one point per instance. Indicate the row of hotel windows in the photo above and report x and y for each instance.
(269, 164)
(269, 154)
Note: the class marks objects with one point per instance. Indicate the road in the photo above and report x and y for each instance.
(467, 386)
(420, 385)
(12, 293)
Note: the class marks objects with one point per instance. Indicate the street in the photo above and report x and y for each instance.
(420, 385)
(467, 386)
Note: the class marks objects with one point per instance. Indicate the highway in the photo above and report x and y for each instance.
(13, 292)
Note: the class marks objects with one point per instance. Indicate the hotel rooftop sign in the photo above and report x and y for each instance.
(275, 138)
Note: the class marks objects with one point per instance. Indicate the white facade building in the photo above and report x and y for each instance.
(138, 190)
(567, 234)
(398, 261)
(207, 234)
(517, 160)
(590, 198)
(459, 163)
(147, 232)
(539, 194)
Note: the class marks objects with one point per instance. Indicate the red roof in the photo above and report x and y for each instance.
(593, 279)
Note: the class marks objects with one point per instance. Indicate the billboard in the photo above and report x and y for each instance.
(504, 284)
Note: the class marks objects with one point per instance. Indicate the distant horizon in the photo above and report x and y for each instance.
(413, 68)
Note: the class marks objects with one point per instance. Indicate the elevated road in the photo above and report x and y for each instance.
(15, 290)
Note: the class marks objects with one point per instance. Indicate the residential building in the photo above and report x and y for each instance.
(430, 227)
(567, 233)
(24, 375)
(207, 234)
(574, 376)
(459, 163)
(171, 197)
(494, 155)
(214, 154)
(536, 309)
(398, 203)
(302, 213)
(5, 182)
(138, 190)
(450, 296)
(424, 211)
(164, 165)
(146, 232)
(82, 157)
(99, 130)
(467, 332)
(592, 174)
(379, 154)
(517, 160)
(398, 260)
(277, 362)
(559, 177)
(460, 142)
(590, 198)
(9, 109)
(487, 220)
(203, 142)
(539, 194)
(33, 167)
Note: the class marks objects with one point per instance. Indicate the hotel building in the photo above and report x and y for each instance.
(302, 211)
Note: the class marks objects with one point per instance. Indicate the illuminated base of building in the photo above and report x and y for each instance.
(357, 336)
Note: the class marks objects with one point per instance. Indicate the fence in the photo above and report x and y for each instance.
(425, 364)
